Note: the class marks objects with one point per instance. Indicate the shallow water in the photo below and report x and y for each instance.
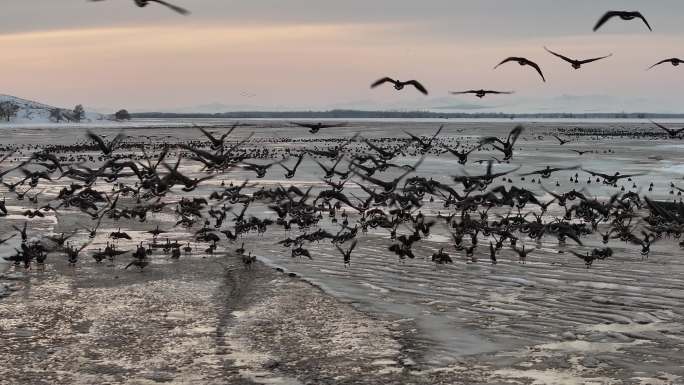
(475, 308)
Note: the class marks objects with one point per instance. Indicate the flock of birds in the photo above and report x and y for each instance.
(472, 210)
(481, 93)
(146, 182)
(575, 63)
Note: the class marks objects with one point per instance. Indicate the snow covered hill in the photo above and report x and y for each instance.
(33, 112)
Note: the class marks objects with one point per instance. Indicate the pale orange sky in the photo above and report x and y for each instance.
(195, 60)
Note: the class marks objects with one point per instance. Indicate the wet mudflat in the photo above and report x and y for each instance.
(206, 319)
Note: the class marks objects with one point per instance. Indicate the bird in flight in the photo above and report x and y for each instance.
(561, 141)
(399, 85)
(576, 64)
(481, 93)
(106, 148)
(674, 61)
(580, 153)
(523, 62)
(624, 15)
(143, 3)
(315, 127)
(672, 133)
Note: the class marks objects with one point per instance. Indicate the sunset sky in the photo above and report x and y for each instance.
(317, 54)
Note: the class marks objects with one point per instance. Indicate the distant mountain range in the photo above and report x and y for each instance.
(360, 114)
(35, 112)
(509, 104)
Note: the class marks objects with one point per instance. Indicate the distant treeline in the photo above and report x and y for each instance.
(358, 114)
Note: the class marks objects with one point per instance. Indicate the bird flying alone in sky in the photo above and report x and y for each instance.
(481, 93)
(399, 85)
(523, 62)
(674, 61)
(624, 15)
(576, 64)
(143, 3)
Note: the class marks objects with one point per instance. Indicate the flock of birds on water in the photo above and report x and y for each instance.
(132, 178)
(147, 180)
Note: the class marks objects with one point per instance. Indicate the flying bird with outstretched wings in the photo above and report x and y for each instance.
(624, 15)
(523, 62)
(399, 85)
(674, 61)
(576, 64)
(481, 93)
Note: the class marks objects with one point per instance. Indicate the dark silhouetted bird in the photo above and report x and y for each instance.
(315, 127)
(481, 93)
(576, 64)
(399, 85)
(624, 15)
(674, 61)
(523, 62)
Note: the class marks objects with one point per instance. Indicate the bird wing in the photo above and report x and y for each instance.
(7, 156)
(98, 140)
(489, 140)
(299, 160)
(514, 134)
(578, 255)
(204, 154)
(463, 92)
(564, 168)
(334, 125)
(661, 211)
(418, 86)
(369, 178)
(659, 63)
(596, 173)
(506, 60)
(353, 245)
(498, 174)
(585, 61)
(115, 142)
(209, 135)
(607, 16)
(7, 239)
(567, 59)
(535, 172)
(305, 125)
(629, 175)
(498, 92)
(232, 128)
(176, 8)
(321, 165)
(437, 133)
(536, 67)
(410, 170)
(640, 16)
(340, 249)
(382, 81)
(663, 127)
(414, 138)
